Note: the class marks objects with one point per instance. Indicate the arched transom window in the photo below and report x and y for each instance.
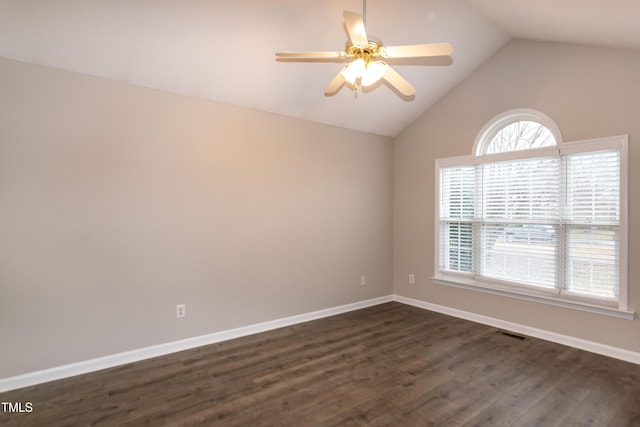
(515, 130)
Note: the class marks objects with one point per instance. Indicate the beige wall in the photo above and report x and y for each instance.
(589, 93)
(119, 202)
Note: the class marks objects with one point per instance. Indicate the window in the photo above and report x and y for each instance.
(532, 217)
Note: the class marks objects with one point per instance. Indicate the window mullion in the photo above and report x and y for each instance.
(562, 230)
(477, 222)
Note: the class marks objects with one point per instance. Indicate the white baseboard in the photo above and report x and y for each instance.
(594, 347)
(110, 361)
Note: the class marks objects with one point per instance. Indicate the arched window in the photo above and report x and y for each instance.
(521, 129)
(531, 216)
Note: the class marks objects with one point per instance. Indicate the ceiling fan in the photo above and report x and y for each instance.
(364, 53)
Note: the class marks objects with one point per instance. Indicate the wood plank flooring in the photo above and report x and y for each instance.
(388, 365)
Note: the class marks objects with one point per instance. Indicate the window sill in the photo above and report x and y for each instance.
(470, 284)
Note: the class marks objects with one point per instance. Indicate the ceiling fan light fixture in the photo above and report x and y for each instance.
(364, 51)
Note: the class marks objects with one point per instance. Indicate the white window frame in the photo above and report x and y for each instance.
(469, 281)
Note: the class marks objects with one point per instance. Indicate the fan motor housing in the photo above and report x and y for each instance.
(368, 52)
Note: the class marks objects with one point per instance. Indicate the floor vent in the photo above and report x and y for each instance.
(512, 335)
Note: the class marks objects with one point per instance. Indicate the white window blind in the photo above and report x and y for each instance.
(457, 202)
(549, 224)
(593, 223)
(519, 221)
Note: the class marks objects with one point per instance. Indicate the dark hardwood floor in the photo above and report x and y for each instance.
(391, 364)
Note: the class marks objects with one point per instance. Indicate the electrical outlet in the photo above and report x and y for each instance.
(363, 280)
(412, 279)
(181, 310)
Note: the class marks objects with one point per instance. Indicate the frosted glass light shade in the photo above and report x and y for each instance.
(353, 70)
(373, 73)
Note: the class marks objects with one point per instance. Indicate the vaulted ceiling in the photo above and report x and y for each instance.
(224, 50)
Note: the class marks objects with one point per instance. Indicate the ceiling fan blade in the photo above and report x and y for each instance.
(416, 50)
(335, 84)
(397, 81)
(311, 55)
(355, 28)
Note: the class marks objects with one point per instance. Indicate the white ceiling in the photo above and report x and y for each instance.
(224, 50)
